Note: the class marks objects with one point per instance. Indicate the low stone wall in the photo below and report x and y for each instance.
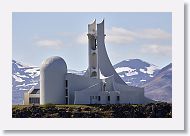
(158, 110)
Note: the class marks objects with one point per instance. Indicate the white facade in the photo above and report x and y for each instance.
(99, 85)
(52, 76)
(32, 96)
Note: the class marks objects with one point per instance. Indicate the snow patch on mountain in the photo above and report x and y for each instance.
(142, 80)
(136, 72)
(23, 78)
(131, 73)
(17, 79)
(126, 69)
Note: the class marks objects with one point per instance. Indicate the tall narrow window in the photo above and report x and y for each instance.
(108, 98)
(66, 92)
(98, 98)
(66, 83)
(95, 43)
(94, 60)
(104, 86)
(30, 100)
(66, 100)
(118, 98)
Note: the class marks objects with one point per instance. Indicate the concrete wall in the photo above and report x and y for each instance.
(109, 83)
(26, 98)
(84, 96)
(130, 94)
(52, 81)
(92, 51)
(78, 83)
(132, 97)
(103, 95)
(105, 65)
(82, 89)
(113, 97)
(27, 95)
(91, 96)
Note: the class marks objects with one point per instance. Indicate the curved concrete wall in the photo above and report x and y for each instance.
(105, 65)
(52, 81)
(92, 28)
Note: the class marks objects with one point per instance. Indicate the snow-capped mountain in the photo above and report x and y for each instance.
(23, 78)
(136, 72)
(160, 87)
(77, 72)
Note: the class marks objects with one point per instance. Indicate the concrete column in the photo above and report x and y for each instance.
(93, 66)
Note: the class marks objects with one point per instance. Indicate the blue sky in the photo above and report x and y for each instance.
(37, 36)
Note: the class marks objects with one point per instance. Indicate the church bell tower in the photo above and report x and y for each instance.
(92, 51)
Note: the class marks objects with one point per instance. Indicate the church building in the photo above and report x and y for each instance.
(99, 85)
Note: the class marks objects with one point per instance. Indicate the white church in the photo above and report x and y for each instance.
(99, 85)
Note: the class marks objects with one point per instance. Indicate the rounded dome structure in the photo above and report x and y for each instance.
(54, 62)
(52, 78)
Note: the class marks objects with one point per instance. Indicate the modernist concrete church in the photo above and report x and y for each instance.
(99, 85)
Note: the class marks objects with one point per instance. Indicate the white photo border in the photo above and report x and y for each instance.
(176, 7)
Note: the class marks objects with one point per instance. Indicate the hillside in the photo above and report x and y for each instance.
(160, 87)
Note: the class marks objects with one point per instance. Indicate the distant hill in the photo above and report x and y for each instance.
(160, 87)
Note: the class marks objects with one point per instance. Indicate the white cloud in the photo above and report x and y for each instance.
(118, 35)
(50, 43)
(114, 36)
(154, 34)
(165, 50)
(82, 39)
(123, 36)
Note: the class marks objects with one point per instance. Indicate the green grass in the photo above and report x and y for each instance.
(58, 106)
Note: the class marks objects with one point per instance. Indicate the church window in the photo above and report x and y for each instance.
(66, 92)
(118, 98)
(108, 98)
(66, 100)
(98, 98)
(93, 74)
(66, 83)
